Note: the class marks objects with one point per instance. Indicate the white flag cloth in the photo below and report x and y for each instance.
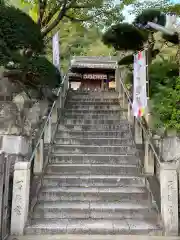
(139, 85)
(55, 46)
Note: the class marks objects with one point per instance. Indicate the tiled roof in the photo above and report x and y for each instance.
(94, 62)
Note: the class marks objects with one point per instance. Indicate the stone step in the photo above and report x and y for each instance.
(94, 134)
(92, 100)
(94, 112)
(83, 121)
(57, 236)
(94, 194)
(93, 117)
(94, 226)
(89, 94)
(84, 149)
(77, 180)
(94, 210)
(92, 103)
(90, 127)
(94, 141)
(106, 107)
(94, 159)
(97, 169)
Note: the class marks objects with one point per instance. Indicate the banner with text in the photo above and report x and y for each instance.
(55, 46)
(139, 84)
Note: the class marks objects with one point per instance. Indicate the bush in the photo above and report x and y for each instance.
(165, 89)
(166, 106)
(18, 30)
(21, 43)
(42, 72)
(120, 37)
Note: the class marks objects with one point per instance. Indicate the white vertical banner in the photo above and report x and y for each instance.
(139, 84)
(55, 46)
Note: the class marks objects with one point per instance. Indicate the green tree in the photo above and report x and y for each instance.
(49, 14)
(30, 72)
(163, 75)
(139, 6)
(120, 36)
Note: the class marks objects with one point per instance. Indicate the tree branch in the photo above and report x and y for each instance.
(81, 6)
(41, 10)
(50, 16)
(78, 20)
(12, 73)
(57, 20)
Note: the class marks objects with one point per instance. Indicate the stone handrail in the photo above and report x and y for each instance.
(28, 174)
(162, 176)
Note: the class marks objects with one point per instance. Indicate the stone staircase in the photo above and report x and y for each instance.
(93, 183)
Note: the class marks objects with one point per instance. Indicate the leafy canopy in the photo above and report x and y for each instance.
(18, 34)
(16, 30)
(120, 37)
(49, 14)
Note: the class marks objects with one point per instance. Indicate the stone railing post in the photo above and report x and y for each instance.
(18, 148)
(138, 134)
(39, 158)
(55, 114)
(48, 131)
(148, 158)
(169, 198)
(15, 145)
(130, 114)
(20, 200)
(60, 104)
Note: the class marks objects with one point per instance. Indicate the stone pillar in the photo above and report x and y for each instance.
(130, 114)
(39, 158)
(169, 198)
(55, 114)
(137, 133)
(148, 159)
(16, 145)
(170, 148)
(18, 148)
(20, 200)
(48, 132)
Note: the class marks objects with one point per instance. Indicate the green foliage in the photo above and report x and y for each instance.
(129, 79)
(127, 60)
(161, 74)
(19, 36)
(172, 38)
(151, 15)
(79, 40)
(41, 72)
(120, 35)
(173, 8)
(164, 92)
(125, 36)
(18, 31)
(97, 13)
(167, 106)
(139, 6)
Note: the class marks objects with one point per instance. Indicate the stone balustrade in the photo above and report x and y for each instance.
(28, 173)
(161, 167)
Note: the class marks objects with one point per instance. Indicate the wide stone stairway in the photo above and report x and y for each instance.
(94, 182)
